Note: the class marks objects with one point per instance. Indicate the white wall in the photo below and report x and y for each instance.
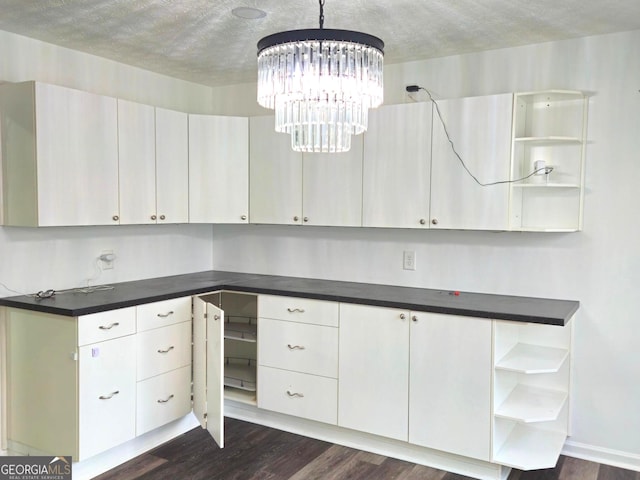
(600, 266)
(33, 259)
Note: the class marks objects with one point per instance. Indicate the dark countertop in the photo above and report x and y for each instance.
(126, 294)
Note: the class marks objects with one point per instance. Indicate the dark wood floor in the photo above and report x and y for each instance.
(254, 452)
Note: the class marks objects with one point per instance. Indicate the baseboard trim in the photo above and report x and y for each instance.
(371, 443)
(607, 456)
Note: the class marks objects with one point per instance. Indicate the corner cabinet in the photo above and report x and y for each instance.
(548, 153)
(218, 169)
(60, 156)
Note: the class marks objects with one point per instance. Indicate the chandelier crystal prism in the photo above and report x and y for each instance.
(321, 84)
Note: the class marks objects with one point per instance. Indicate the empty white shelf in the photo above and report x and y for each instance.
(531, 404)
(240, 373)
(550, 140)
(531, 359)
(245, 332)
(529, 448)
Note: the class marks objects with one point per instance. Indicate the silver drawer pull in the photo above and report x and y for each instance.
(295, 347)
(110, 396)
(108, 327)
(166, 399)
(293, 310)
(294, 394)
(165, 315)
(167, 350)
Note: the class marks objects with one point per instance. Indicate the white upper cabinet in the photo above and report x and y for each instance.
(172, 166)
(332, 187)
(397, 166)
(153, 149)
(290, 188)
(218, 169)
(275, 175)
(60, 154)
(480, 129)
(137, 162)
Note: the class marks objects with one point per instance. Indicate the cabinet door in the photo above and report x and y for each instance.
(373, 372)
(172, 166)
(275, 175)
(77, 168)
(332, 187)
(450, 384)
(480, 129)
(136, 162)
(107, 399)
(208, 368)
(397, 167)
(218, 169)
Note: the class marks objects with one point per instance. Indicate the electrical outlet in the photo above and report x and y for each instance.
(409, 260)
(107, 258)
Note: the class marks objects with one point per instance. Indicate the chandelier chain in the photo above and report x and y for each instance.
(321, 2)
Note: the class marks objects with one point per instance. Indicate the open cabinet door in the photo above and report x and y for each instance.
(208, 368)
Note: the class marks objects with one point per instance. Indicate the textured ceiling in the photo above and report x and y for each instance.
(202, 41)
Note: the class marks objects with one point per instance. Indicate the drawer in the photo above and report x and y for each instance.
(301, 310)
(107, 395)
(161, 314)
(163, 349)
(163, 399)
(298, 346)
(98, 327)
(298, 394)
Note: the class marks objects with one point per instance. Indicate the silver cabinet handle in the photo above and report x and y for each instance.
(109, 396)
(115, 218)
(216, 317)
(153, 217)
(305, 219)
(167, 350)
(434, 221)
(243, 217)
(414, 318)
(296, 218)
(422, 221)
(165, 315)
(160, 400)
(402, 316)
(294, 394)
(108, 327)
(295, 347)
(162, 217)
(293, 310)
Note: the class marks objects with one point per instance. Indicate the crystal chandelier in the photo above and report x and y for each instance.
(321, 84)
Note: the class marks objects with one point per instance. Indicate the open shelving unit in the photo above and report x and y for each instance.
(240, 346)
(531, 378)
(549, 131)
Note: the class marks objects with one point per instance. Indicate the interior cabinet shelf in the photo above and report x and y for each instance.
(533, 359)
(550, 140)
(244, 332)
(240, 373)
(529, 448)
(530, 404)
(546, 185)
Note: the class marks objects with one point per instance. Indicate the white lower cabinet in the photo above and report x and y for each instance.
(298, 357)
(450, 384)
(298, 394)
(373, 374)
(107, 395)
(163, 398)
